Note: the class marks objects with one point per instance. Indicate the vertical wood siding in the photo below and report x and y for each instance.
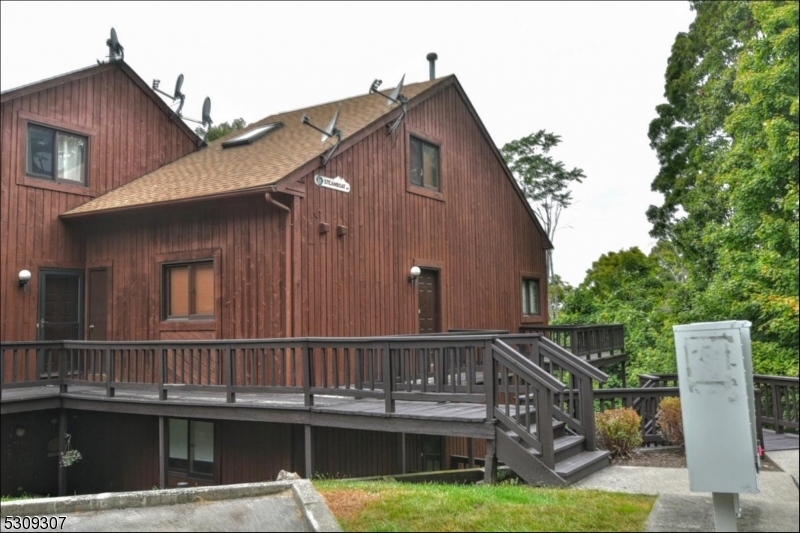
(27, 461)
(247, 233)
(481, 235)
(132, 136)
(120, 452)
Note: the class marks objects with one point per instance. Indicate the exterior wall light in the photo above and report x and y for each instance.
(414, 274)
(20, 432)
(24, 278)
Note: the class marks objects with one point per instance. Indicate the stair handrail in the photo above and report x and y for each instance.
(569, 361)
(544, 387)
(534, 371)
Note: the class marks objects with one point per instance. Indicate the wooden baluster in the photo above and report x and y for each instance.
(388, 378)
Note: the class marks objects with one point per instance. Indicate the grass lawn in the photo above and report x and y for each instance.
(23, 496)
(386, 506)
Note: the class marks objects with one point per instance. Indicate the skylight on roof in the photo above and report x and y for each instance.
(252, 135)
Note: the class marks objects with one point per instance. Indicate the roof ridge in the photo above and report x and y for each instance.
(263, 121)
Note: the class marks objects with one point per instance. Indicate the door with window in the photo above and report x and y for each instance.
(60, 305)
(429, 302)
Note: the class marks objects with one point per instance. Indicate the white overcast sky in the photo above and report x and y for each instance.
(591, 72)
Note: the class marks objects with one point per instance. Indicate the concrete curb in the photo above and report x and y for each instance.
(315, 511)
(311, 503)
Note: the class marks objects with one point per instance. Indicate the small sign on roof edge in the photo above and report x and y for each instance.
(336, 183)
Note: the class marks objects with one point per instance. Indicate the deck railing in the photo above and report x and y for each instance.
(600, 345)
(522, 379)
(776, 399)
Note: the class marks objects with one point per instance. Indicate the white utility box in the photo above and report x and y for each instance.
(715, 376)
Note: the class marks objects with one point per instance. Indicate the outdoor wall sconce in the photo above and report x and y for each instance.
(414, 274)
(20, 432)
(24, 278)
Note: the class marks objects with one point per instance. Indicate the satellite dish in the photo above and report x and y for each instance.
(397, 97)
(331, 129)
(114, 47)
(327, 133)
(207, 112)
(396, 93)
(178, 85)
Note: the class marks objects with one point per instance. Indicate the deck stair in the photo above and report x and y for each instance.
(525, 395)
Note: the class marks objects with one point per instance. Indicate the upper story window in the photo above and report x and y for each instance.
(56, 155)
(189, 291)
(425, 169)
(530, 297)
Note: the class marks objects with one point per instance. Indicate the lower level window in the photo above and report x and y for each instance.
(191, 446)
(530, 297)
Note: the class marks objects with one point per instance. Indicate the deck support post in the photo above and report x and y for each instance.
(490, 465)
(471, 453)
(163, 451)
(403, 455)
(62, 447)
(309, 452)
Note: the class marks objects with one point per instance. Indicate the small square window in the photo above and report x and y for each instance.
(425, 168)
(56, 155)
(189, 290)
(530, 297)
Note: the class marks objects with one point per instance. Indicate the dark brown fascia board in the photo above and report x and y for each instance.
(54, 81)
(261, 189)
(75, 75)
(160, 103)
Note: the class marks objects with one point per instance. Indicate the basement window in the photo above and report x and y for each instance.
(191, 447)
(252, 135)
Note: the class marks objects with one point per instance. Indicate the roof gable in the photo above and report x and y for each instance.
(92, 70)
(216, 171)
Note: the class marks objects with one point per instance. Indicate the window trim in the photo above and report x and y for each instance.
(189, 473)
(31, 180)
(421, 189)
(210, 323)
(166, 299)
(533, 276)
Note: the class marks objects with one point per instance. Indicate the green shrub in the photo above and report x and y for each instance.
(670, 420)
(619, 431)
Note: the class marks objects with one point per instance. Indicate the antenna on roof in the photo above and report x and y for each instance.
(327, 133)
(397, 97)
(177, 95)
(115, 50)
(206, 121)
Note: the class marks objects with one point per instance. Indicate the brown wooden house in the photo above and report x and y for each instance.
(134, 230)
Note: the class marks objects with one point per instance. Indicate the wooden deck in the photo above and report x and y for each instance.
(441, 418)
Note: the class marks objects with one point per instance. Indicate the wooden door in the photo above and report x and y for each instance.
(60, 305)
(97, 301)
(429, 302)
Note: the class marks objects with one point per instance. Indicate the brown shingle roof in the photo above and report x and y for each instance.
(214, 170)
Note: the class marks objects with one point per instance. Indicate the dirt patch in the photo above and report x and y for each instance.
(348, 504)
(673, 458)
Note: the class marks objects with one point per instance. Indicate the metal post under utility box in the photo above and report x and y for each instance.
(715, 376)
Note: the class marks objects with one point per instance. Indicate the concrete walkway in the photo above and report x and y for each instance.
(787, 461)
(776, 508)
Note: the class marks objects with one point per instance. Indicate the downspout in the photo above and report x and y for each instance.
(287, 288)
